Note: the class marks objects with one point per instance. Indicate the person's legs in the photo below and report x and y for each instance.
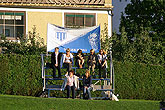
(84, 92)
(68, 91)
(93, 68)
(82, 61)
(104, 72)
(79, 62)
(66, 65)
(69, 66)
(89, 93)
(99, 71)
(89, 68)
(93, 71)
(54, 71)
(59, 71)
(73, 91)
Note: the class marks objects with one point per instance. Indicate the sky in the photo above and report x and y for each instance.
(118, 8)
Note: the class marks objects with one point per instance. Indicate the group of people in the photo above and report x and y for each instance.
(70, 84)
(66, 60)
(59, 60)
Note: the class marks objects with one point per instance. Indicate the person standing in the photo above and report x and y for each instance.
(70, 84)
(92, 61)
(102, 59)
(55, 62)
(67, 60)
(87, 81)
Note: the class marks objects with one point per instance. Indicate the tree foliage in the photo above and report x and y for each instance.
(105, 39)
(32, 44)
(142, 33)
(147, 14)
(142, 49)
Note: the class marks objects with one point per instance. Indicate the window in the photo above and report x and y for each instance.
(12, 24)
(77, 20)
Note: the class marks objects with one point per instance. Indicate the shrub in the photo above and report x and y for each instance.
(21, 75)
(139, 81)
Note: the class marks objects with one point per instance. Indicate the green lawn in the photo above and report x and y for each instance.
(10, 102)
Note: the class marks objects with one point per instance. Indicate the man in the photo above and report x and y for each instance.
(92, 62)
(55, 61)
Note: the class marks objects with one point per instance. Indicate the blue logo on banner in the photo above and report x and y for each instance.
(61, 36)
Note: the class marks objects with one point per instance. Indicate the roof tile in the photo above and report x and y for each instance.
(63, 2)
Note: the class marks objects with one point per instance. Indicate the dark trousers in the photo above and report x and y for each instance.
(69, 88)
(104, 71)
(68, 66)
(54, 71)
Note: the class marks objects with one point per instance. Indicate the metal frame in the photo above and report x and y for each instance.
(107, 81)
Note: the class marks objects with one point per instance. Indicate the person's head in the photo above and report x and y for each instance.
(79, 51)
(87, 74)
(67, 51)
(92, 51)
(102, 52)
(56, 49)
(71, 73)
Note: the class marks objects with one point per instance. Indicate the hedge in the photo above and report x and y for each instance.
(21, 75)
(139, 81)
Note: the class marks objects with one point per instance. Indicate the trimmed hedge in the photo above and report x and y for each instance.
(21, 75)
(139, 81)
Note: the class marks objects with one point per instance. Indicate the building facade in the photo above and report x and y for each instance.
(18, 17)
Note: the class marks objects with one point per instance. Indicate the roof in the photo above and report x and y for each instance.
(69, 4)
(62, 2)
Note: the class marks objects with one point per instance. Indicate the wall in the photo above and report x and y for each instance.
(101, 20)
(41, 19)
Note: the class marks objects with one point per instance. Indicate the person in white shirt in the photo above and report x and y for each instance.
(70, 84)
(67, 60)
(102, 58)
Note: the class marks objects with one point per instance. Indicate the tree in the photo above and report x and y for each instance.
(147, 14)
(33, 44)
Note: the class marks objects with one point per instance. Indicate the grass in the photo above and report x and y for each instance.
(11, 102)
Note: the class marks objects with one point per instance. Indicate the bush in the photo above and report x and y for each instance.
(33, 44)
(139, 81)
(21, 75)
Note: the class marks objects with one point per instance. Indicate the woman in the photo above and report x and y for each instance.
(87, 81)
(70, 84)
(80, 59)
(92, 61)
(67, 60)
(102, 58)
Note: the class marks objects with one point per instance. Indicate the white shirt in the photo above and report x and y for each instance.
(56, 56)
(63, 59)
(102, 58)
(70, 80)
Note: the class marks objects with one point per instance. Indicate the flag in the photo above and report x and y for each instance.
(75, 39)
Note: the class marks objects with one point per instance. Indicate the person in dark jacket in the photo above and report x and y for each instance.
(92, 61)
(87, 81)
(79, 59)
(55, 62)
